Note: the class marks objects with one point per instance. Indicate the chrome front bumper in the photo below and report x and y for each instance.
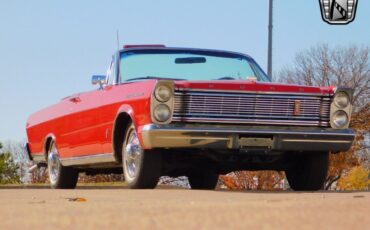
(275, 138)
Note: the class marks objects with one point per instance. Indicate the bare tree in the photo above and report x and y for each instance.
(340, 66)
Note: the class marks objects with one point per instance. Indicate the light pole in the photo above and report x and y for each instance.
(269, 54)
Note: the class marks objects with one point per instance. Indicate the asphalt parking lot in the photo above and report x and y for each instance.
(169, 208)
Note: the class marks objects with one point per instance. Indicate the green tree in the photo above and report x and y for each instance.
(8, 169)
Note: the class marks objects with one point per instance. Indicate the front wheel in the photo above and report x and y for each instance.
(60, 177)
(308, 171)
(141, 168)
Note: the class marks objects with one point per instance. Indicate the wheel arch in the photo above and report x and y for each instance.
(123, 118)
(48, 139)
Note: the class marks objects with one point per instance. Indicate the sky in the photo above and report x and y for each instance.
(49, 49)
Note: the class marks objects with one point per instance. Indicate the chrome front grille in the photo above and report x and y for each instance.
(252, 108)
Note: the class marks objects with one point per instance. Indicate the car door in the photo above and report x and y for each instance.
(84, 137)
(88, 132)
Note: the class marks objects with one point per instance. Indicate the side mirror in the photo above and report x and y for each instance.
(99, 79)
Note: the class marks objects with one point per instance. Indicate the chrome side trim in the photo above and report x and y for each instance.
(89, 159)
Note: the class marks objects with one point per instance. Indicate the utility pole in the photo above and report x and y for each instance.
(269, 54)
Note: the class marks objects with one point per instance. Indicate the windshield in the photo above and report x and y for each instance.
(188, 65)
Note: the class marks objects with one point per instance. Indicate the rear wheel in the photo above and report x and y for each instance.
(307, 172)
(203, 179)
(60, 177)
(141, 168)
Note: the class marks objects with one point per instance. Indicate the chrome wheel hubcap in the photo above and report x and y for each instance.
(132, 155)
(53, 165)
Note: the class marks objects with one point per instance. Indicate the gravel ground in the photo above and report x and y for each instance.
(168, 208)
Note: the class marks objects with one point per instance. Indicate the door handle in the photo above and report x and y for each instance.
(75, 99)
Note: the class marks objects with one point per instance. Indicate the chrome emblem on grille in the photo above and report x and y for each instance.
(338, 12)
(297, 108)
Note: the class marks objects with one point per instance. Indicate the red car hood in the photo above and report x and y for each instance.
(253, 87)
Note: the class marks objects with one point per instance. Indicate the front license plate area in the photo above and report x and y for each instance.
(245, 142)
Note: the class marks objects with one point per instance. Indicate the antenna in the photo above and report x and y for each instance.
(269, 52)
(117, 39)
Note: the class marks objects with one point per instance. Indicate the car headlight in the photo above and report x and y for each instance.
(163, 93)
(162, 113)
(162, 102)
(341, 100)
(340, 118)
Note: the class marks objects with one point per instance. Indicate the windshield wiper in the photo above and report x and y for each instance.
(151, 77)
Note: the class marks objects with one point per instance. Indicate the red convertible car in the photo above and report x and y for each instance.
(192, 112)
